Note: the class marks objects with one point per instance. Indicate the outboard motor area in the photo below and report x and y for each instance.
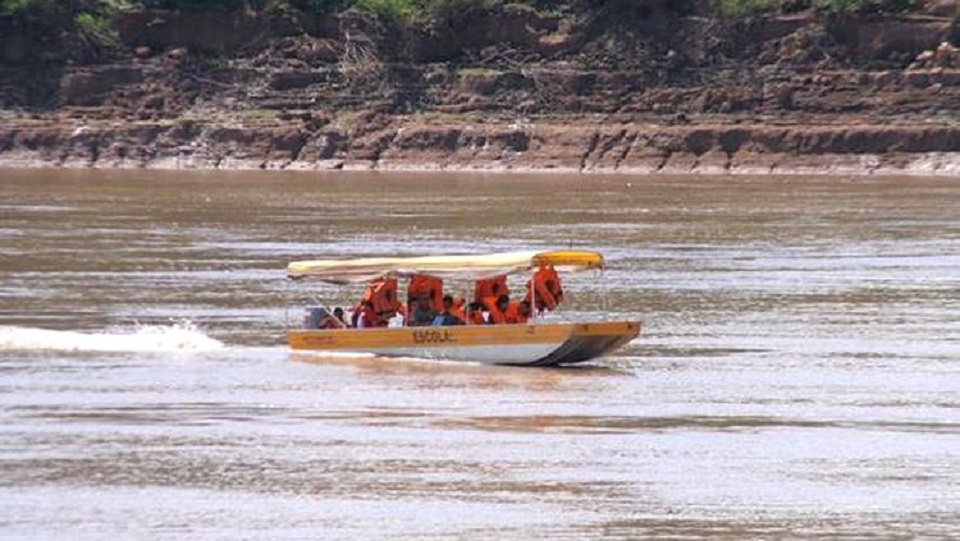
(313, 316)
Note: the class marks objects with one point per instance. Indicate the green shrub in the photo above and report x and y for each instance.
(95, 30)
(390, 11)
(216, 5)
(81, 30)
(746, 7)
(28, 8)
(58, 11)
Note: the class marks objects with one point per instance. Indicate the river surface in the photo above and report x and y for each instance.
(798, 377)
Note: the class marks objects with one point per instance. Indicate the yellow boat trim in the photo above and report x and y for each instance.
(579, 259)
(403, 337)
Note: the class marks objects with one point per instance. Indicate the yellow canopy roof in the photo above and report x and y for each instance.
(468, 267)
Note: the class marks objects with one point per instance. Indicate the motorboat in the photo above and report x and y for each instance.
(537, 342)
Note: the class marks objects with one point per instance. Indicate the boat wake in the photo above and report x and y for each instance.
(139, 338)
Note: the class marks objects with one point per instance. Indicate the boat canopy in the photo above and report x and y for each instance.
(467, 267)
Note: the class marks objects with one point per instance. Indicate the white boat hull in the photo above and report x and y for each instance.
(527, 344)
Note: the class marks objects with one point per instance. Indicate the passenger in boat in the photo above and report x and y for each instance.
(447, 316)
(474, 315)
(421, 314)
(497, 309)
(366, 316)
(459, 309)
(546, 284)
(428, 288)
(490, 287)
(518, 312)
(382, 296)
(338, 313)
(389, 307)
(331, 321)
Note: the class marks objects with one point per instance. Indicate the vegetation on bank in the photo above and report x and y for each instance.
(86, 30)
(398, 10)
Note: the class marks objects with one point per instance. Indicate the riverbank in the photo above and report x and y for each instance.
(505, 87)
(562, 146)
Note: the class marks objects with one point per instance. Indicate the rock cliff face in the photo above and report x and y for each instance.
(508, 88)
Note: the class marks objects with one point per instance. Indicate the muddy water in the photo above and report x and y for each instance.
(799, 377)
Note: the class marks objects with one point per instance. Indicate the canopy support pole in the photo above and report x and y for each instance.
(533, 298)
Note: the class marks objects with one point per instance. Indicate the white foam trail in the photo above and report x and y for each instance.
(139, 338)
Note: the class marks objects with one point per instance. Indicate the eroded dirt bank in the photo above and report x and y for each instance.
(579, 146)
(507, 88)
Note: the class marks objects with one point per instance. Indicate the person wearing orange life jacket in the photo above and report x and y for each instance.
(459, 309)
(429, 288)
(474, 315)
(376, 288)
(496, 309)
(517, 312)
(366, 316)
(546, 284)
(554, 284)
(390, 307)
(382, 296)
(490, 287)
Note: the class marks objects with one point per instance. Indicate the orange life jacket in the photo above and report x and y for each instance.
(557, 289)
(484, 288)
(513, 314)
(377, 293)
(428, 288)
(544, 298)
(547, 298)
(496, 316)
(459, 310)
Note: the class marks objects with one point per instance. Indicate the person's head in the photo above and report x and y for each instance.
(475, 307)
(447, 302)
(525, 308)
(338, 312)
(502, 302)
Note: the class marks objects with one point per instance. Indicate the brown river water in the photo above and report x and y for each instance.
(799, 374)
